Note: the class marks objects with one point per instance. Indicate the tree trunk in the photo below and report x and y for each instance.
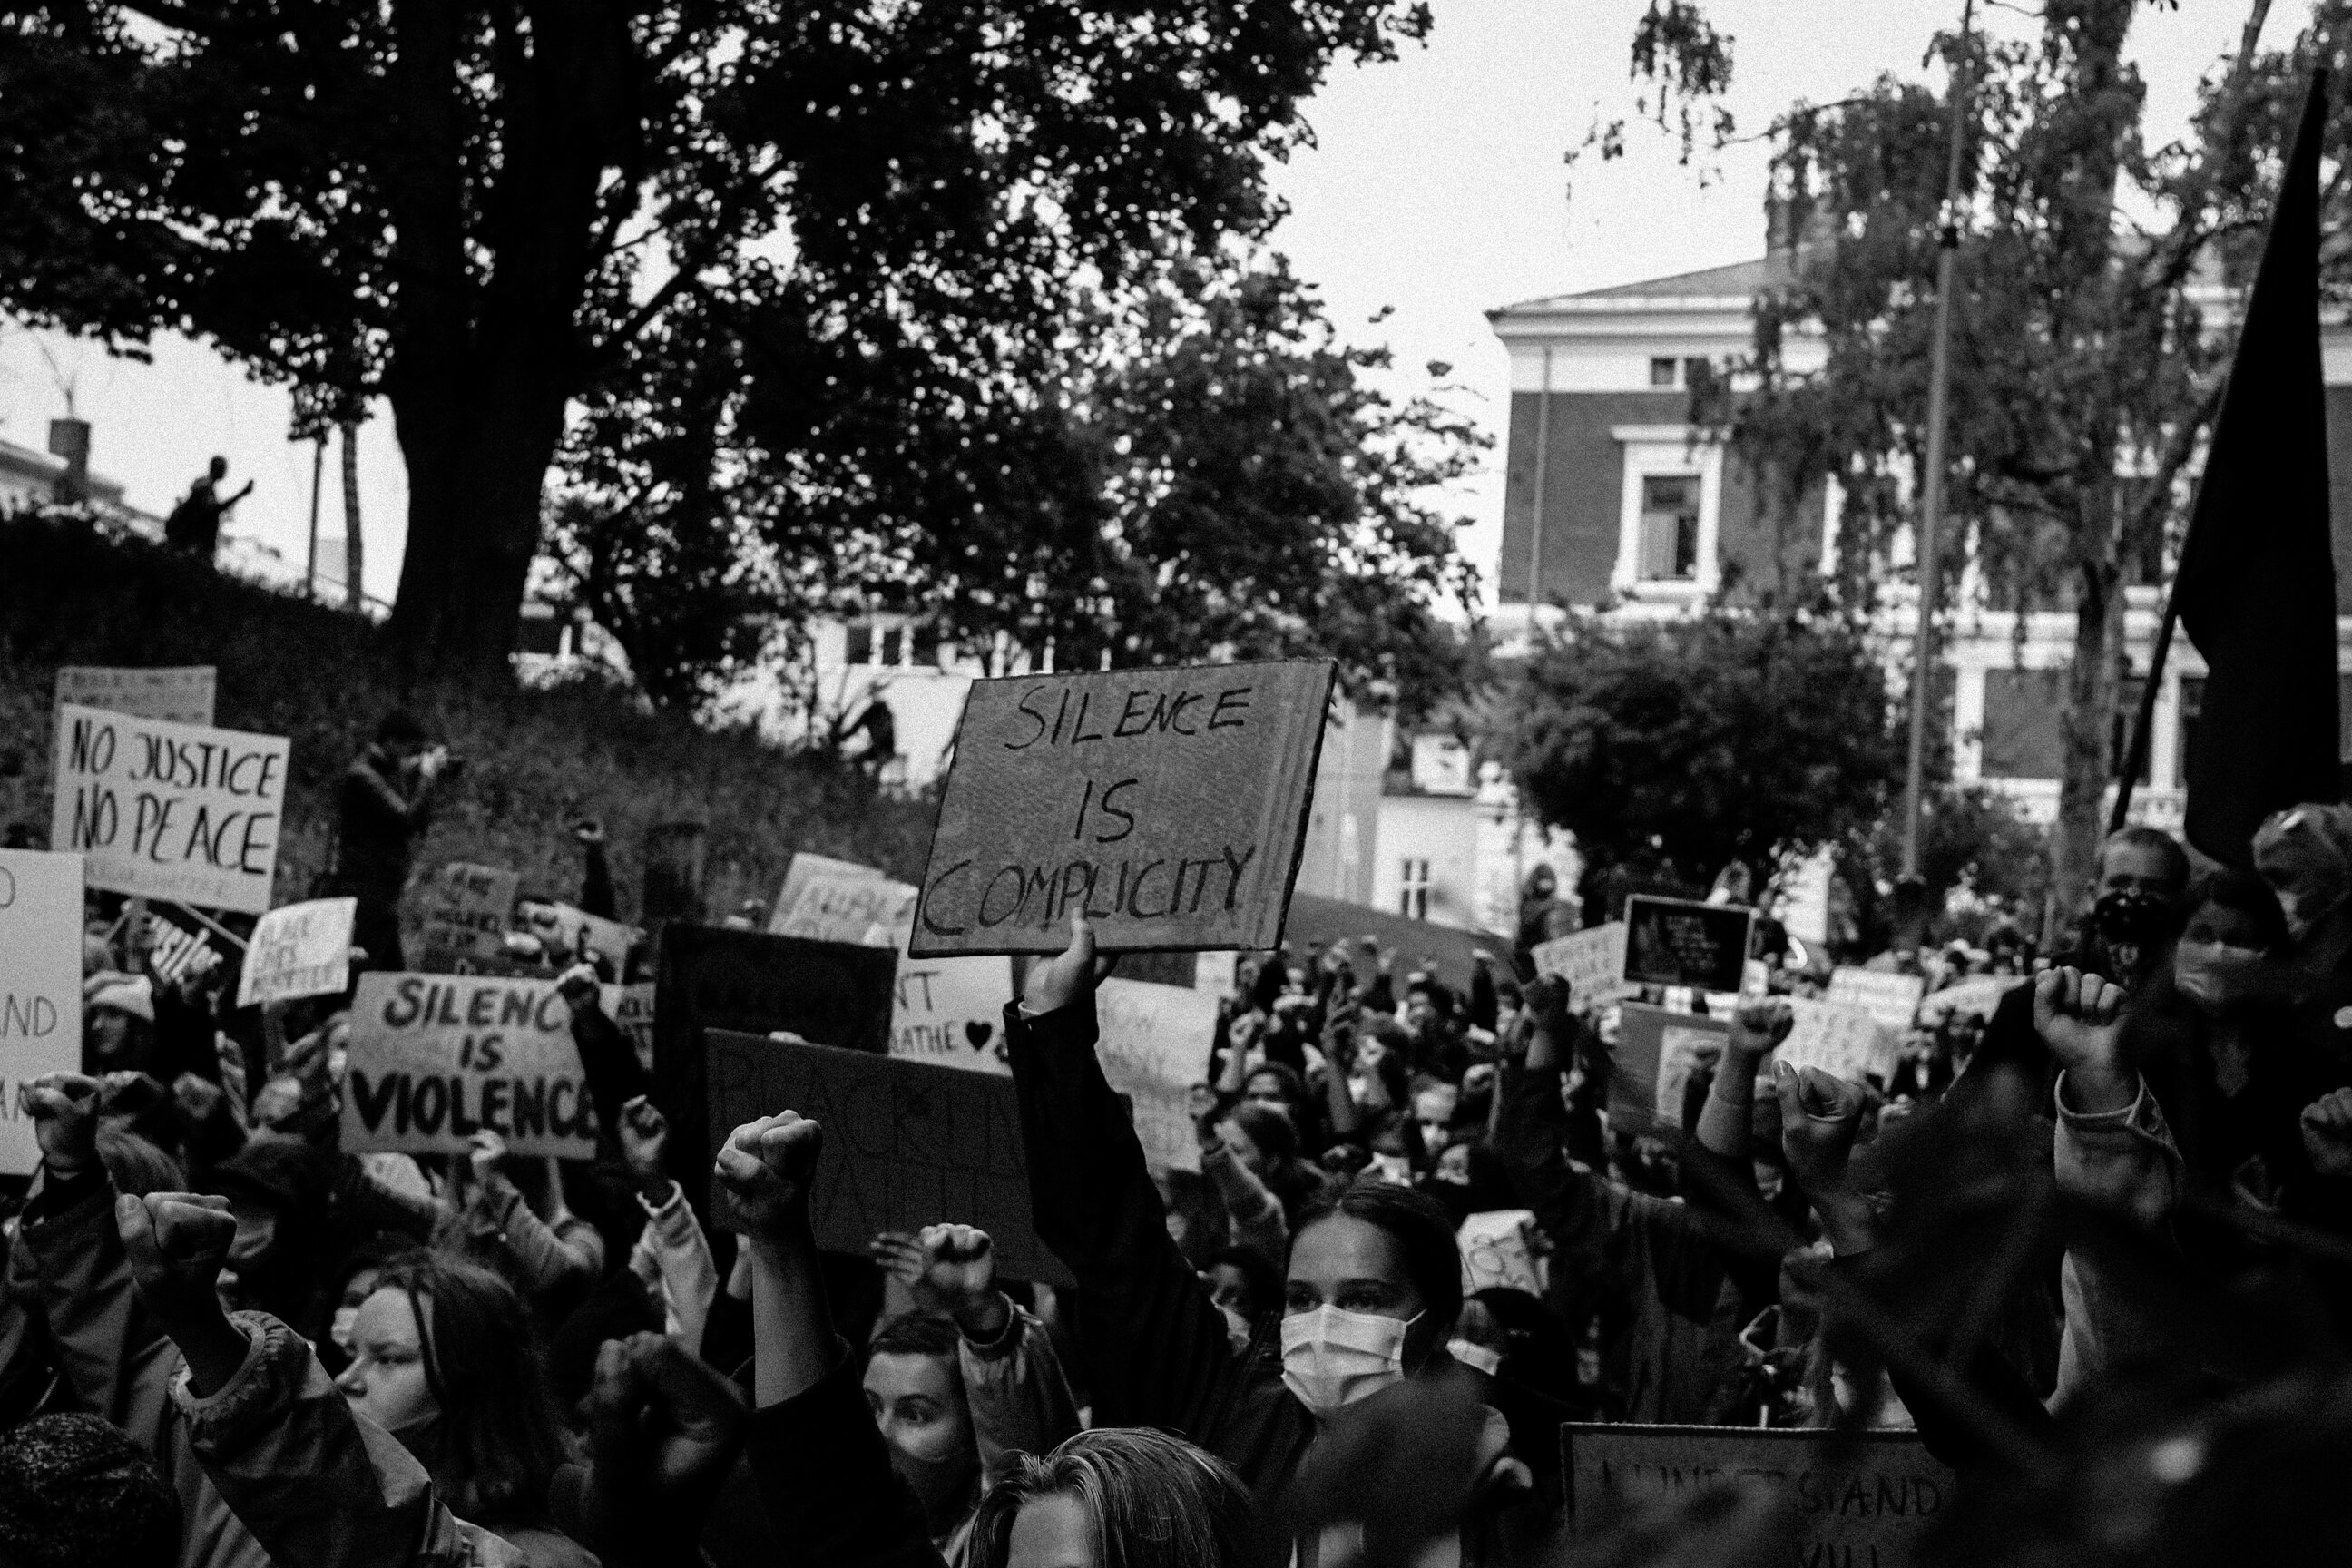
(2094, 684)
(354, 546)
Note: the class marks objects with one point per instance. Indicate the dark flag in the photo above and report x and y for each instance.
(2256, 587)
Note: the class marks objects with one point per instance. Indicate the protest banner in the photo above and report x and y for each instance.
(951, 1011)
(466, 909)
(567, 931)
(181, 696)
(1858, 1498)
(872, 911)
(1893, 999)
(713, 977)
(172, 811)
(804, 865)
(175, 952)
(1674, 941)
(40, 986)
(300, 950)
(1495, 1252)
(1592, 961)
(437, 1058)
(1843, 1041)
(1650, 1070)
(1170, 805)
(1154, 1045)
(630, 1008)
(906, 1143)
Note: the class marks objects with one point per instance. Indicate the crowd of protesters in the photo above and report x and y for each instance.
(228, 1343)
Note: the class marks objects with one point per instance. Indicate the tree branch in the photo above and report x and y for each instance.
(2177, 453)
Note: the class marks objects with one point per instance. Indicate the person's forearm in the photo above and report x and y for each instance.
(1339, 1103)
(213, 1347)
(2098, 1088)
(1723, 1122)
(981, 1317)
(792, 1323)
(1847, 1222)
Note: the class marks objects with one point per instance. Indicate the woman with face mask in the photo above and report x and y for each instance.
(1370, 1294)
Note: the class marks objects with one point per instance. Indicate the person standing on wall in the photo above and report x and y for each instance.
(195, 524)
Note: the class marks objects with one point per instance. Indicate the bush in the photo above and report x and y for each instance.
(537, 760)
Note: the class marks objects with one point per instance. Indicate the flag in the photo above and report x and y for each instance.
(2256, 585)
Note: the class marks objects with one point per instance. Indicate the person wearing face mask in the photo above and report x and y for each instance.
(1372, 1290)
(963, 1380)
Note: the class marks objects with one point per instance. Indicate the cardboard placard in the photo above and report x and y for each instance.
(169, 811)
(564, 931)
(951, 1011)
(1674, 942)
(630, 1008)
(298, 949)
(1853, 1497)
(804, 865)
(1893, 999)
(40, 986)
(1649, 1069)
(1170, 805)
(175, 952)
(1844, 1042)
(437, 1058)
(177, 696)
(907, 1145)
(1593, 962)
(467, 911)
(1154, 1045)
(871, 911)
(712, 977)
(1496, 1253)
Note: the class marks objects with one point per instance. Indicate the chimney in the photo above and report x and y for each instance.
(69, 439)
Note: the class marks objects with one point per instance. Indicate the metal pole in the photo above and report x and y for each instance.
(318, 478)
(2136, 756)
(1536, 516)
(1931, 509)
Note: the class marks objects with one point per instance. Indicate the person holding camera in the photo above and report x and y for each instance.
(387, 799)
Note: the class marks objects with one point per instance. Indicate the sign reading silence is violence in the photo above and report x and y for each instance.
(436, 1059)
(180, 811)
(1170, 805)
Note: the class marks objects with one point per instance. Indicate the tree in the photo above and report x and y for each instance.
(475, 208)
(1197, 469)
(1673, 748)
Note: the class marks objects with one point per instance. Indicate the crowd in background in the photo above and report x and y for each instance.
(227, 1341)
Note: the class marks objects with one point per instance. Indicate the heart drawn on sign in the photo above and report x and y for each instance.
(977, 1032)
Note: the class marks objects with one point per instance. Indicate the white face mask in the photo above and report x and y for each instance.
(340, 1332)
(1483, 1357)
(1394, 1169)
(1331, 1358)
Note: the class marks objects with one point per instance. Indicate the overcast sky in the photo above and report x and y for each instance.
(1437, 188)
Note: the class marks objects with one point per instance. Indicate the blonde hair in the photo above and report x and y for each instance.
(1151, 1500)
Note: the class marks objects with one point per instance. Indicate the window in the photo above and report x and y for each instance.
(1663, 370)
(2126, 720)
(872, 643)
(2192, 704)
(861, 643)
(1413, 890)
(1669, 527)
(1694, 370)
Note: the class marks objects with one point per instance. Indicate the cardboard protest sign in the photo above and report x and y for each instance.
(181, 696)
(437, 1058)
(169, 811)
(1674, 941)
(300, 950)
(874, 911)
(1846, 1042)
(712, 977)
(1844, 1497)
(1170, 805)
(630, 1008)
(1495, 1252)
(906, 1143)
(175, 952)
(951, 1011)
(566, 931)
(40, 986)
(1592, 961)
(1649, 1071)
(1893, 999)
(1154, 1046)
(466, 909)
(804, 865)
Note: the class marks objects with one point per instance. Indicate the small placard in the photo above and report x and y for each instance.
(436, 1059)
(300, 950)
(178, 812)
(1674, 941)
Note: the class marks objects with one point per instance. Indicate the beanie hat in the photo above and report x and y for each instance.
(76, 1494)
(135, 995)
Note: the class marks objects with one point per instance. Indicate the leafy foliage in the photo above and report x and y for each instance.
(1677, 747)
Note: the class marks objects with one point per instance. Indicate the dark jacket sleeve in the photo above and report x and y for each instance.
(1155, 1353)
(67, 1266)
(596, 889)
(609, 1062)
(827, 1483)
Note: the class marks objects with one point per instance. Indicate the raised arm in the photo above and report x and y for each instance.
(1020, 1401)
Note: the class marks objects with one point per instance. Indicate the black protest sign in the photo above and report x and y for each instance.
(906, 1143)
(1672, 942)
(1843, 1497)
(1170, 805)
(1652, 1065)
(714, 977)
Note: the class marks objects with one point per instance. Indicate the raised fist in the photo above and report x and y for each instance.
(766, 1167)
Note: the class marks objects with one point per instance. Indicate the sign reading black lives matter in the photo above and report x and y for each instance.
(1170, 805)
(1672, 942)
(1858, 1498)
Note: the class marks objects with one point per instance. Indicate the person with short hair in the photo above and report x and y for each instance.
(195, 524)
(386, 801)
(76, 1494)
